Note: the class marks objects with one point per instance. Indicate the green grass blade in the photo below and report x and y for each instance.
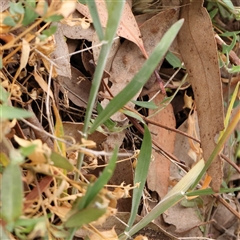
(85, 216)
(149, 105)
(141, 172)
(173, 60)
(61, 162)
(95, 18)
(11, 193)
(140, 78)
(173, 196)
(231, 105)
(3, 94)
(209, 191)
(133, 115)
(114, 17)
(8, 112)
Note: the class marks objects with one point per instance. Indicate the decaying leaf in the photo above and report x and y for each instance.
(128, 27)
(25, 54)
(110, 234)
(61, 54)
(76, 88)
(184, 219)
(74, 27)
(199, 52)
(159, 170)
(182, 149)
(4, 4)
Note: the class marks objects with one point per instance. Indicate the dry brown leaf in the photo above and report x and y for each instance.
(182, 147)
(199, 52)
(159, 170)
(60, 211)
(184, 219)
(67, 8)
(223, 218)
(170, 3)
(76, 88)
(35, 193)
(61, 54)
(110, 235)
(4, 4)
(42, 83)
(25, 54)
(140, 237)
(128, 27)
(76, 31)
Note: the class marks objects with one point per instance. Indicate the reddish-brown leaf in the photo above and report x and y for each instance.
(159, 170)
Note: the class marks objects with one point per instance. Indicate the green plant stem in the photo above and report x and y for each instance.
(157, 211)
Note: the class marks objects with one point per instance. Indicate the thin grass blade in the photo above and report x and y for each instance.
(140, 78)
(95, 18)
(141, 172)
(173, 196)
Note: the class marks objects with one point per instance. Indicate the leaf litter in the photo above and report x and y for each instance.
(47, 182)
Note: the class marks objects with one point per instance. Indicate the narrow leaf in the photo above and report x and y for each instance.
(133, 115)
(85, 216)
(26, 151)
(61, 162)
(12, 193)
(219, 146)
(112, 25)
(141, 172)
(149, 105)
(173, 196)
(173, 60)
(16, 8)
(9, 21)
(7, 112)
(95, 18)
(3, 95)
(209, 191)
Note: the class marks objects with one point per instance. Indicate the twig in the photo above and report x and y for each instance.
(229, 207)
(233, 164)
(141, 130)
(171, 129)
